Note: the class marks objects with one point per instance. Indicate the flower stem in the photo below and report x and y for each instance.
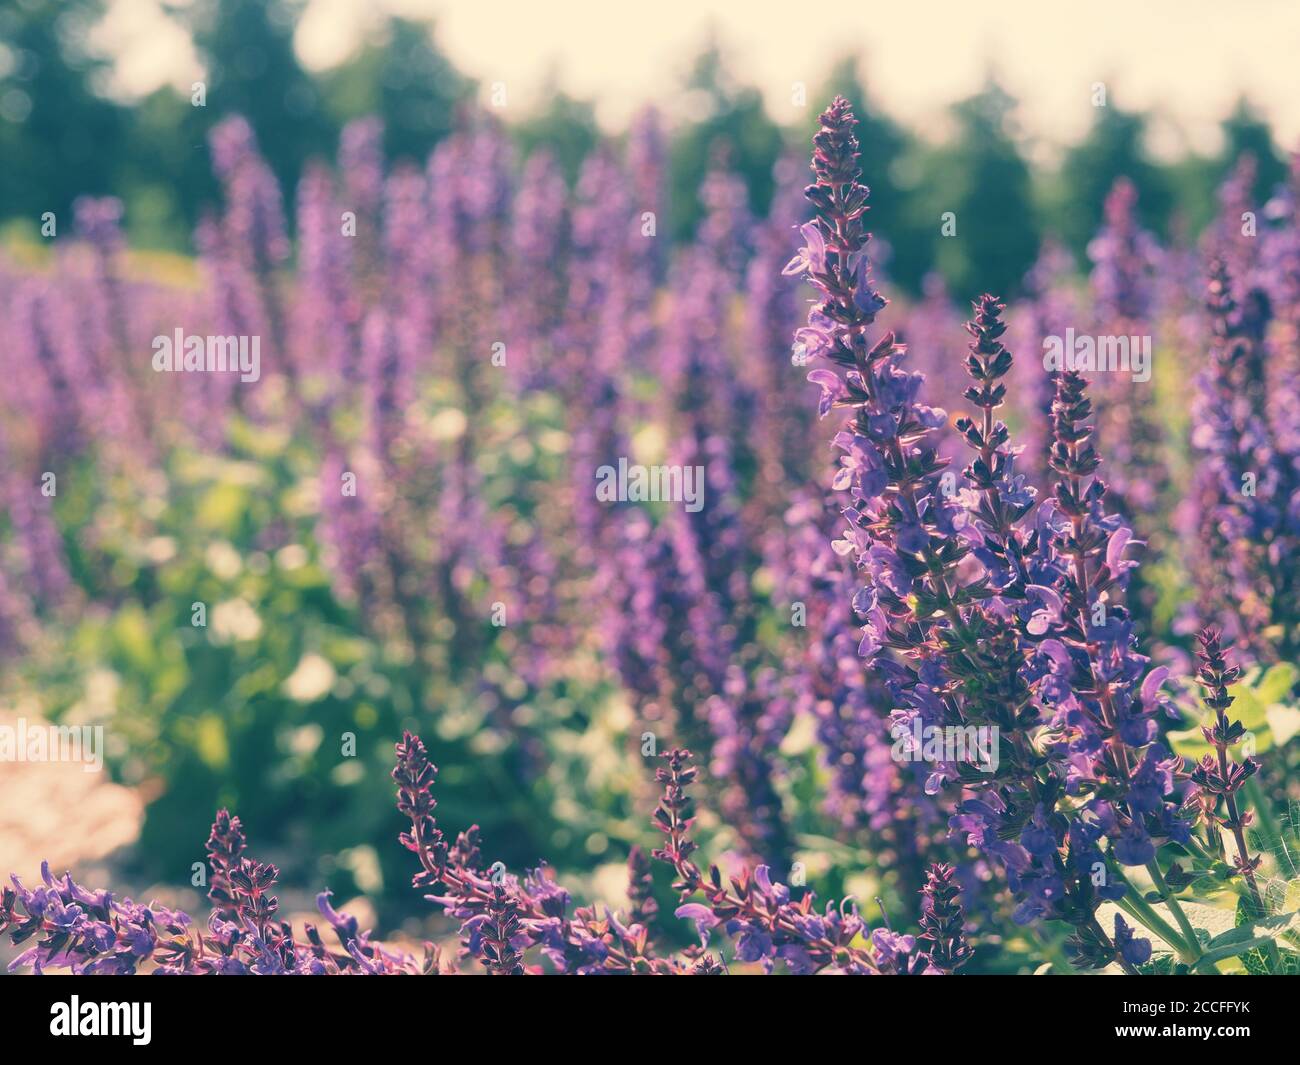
(1189, 933)
(1268, 826)
(1140, 910)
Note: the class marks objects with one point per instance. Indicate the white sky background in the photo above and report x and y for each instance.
(1186, 60)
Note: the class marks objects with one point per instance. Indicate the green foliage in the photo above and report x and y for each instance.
(1245, 132)
(566, 128)
(168, 171)
(1248, 940)
(70, 139)
(728, 124)
(401, 76)
(1114, 147)
(982, 178)
(55, 125)
(253, 708)
(1263, 701)
(253, 70)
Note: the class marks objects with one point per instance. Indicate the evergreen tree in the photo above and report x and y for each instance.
(1113, 148)
(59, 137)
(247, 49)
(403, 77)
(1245, 132)
(982, 178)
(731, 118)
(566, 127)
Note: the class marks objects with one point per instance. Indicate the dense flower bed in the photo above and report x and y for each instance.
(509, 467)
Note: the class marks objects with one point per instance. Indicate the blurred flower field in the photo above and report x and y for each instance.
(257, 587)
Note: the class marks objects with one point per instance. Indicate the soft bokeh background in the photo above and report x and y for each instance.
(990, 114)
(985, 110)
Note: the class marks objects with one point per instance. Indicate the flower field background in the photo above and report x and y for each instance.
(391, 548)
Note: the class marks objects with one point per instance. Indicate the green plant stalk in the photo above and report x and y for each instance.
(1153, 867)
(1054, 951)
(1213, 957)
(1268, 825)
(1214, 844)
(1267, 821)
(1272, 842)
(1140, 910)
(1051, 947)
(1199, 850)
(1187, 946)
(1241, 889)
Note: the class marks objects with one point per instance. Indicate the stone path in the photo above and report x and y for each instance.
(60, 812)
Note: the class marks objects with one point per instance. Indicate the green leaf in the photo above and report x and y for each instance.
(1247, 707)
(1275, 685)
(211, 743)
(1245, 938)
(1256, 961)
(133, 638)
(1190, 743)
(1260, 704)
(222, 508)
(1283, 722)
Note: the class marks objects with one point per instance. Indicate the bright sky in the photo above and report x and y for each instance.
(1187, 60)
